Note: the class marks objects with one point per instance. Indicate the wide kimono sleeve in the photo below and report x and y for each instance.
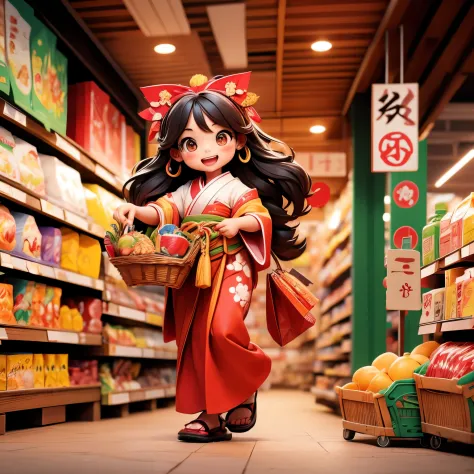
(171, 207)
(258, 243)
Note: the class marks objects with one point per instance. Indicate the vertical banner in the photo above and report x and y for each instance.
(394, 120)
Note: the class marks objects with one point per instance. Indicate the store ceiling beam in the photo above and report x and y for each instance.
(280, 50)
(375, 52)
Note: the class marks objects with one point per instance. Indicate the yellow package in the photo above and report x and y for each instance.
(69, 249)
(28, 374)
(468, 222)
(19, 371)
(38, 370)
(50, 371)
(101, 204)
(77, 320)
(466, 300)
(62, 370)
(88, 259)
(65, 318)
(3, 372)
(450, 302)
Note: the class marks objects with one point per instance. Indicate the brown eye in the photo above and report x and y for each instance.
(223, 138)
(189, 145)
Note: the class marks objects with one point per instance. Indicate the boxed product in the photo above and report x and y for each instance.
(4, 71)
(51, 239)
(37, 305)
(433, 306)
(59, 91)
(129, 156)
(63, 370)
(119, 335)
(8, 165)
(63, 183)
(50, 371)
(3, 372)
(6, 304)
(20, 374)
(87, 117)
(19, 18)
(28, 236)
(457, 222)
(450, 304)
(445, 243)
(88, 258)
(101, 204)
(69, 249)
(83, 372)
(91, 312)
(115, 121)
(29, 167)
(76, 320)
(465, 295)
(38, 370)
(7, 230)
(23, 294)
(51, 304)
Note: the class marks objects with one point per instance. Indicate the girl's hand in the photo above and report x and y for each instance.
(125, 214)
(228, 227)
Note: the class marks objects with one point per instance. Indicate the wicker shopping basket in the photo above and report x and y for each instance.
(157, 269)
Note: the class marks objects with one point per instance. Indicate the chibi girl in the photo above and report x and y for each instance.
(215, 164)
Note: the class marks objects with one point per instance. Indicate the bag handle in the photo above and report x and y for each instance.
(276, 260)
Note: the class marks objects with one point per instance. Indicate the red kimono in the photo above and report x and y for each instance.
(218, 367)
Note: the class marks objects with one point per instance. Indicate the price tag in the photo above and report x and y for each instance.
(154, 393)
(20, 196)
(97, 230)
(76, 220)
(130, 313)
(33, 268)
(52, 210)
(148, 353)
(67, 147)
(99, 284)
(6, 260)
(81, 280)
(19, 264)
(63, 336)
(5, 189)
(171, 391)
(105, 175)
(46, 271)
(126, 351)
(14, 114)
(3, 334)
(155, 319)
(119, 398)
(61, 274)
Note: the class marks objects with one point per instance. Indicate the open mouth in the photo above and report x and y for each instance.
(212, 160)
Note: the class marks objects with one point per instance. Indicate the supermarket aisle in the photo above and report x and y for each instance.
(292, 435)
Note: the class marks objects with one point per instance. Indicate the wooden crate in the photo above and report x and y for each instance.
(444, 408)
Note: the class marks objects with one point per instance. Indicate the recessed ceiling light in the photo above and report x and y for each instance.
(386, 217)
(317, 129)
(386, 200)
(321, 46)
(165, 48)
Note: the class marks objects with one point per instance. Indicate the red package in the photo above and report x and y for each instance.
(464, 363)
(436, 359)
(128, 150)
(91, 312)
(115, 121)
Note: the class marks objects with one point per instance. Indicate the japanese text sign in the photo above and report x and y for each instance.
(323, 165)
(394, 127)
(403, 280)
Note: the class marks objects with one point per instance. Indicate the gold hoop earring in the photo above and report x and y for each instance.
(168, 170)
(248, 155)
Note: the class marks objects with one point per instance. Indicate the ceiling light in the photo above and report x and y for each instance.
(386, 200)
(317, 129)
(386, 217)
(454, 169)
(335, 220)
(165, 48)
(321, 46)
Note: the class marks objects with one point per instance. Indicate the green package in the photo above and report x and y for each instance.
(18, 19)
(58, 84)
(4, 74)
(43, 45)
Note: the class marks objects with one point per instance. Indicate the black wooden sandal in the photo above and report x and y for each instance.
(207, 435)
(253, 417)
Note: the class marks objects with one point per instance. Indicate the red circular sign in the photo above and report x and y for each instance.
(406, 194)
(395, 149)
(401, 233)
(321, 195)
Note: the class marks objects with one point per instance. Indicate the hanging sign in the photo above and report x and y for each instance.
(324, 165)
(394, 127)
(404, 232)
(403, 280)
(406, 194)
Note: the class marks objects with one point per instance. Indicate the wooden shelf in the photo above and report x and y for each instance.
(114, 350)
(140, 395)
(461, 324)
(339, 239)
(92, 169)
(53, 273)
(340, 270)
(22, 333)
(325, 393)
(344, 315)
(17, 400)
(337, 373)
(464, 255)
(123, 312)
(429, 328)
(328, 306)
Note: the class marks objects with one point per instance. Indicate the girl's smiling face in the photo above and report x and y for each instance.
(207, 151)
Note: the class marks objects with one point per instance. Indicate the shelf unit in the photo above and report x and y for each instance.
(334, 325)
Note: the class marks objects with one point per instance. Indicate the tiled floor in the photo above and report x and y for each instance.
(293, 435)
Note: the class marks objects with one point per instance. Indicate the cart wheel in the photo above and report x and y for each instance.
(383, 441)
(436, 442)
(348, 435)
(425, 441)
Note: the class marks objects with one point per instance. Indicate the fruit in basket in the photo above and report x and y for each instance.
(135, 243)
(174, 245)
(420, 358)
(351, 386)
(403, 368)
(380, 382)
(363, 376)
(426, 349)
(385, 360)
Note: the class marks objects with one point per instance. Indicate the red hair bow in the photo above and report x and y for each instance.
(162, 97)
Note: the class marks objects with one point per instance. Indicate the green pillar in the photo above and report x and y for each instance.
(368, 271)
(414, 217)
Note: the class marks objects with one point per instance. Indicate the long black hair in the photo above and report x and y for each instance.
(282, 184)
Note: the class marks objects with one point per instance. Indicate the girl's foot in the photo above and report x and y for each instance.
(205, 429)
(212, 421)
(243, 417)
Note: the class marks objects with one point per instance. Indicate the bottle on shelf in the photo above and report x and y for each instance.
(430, 234)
